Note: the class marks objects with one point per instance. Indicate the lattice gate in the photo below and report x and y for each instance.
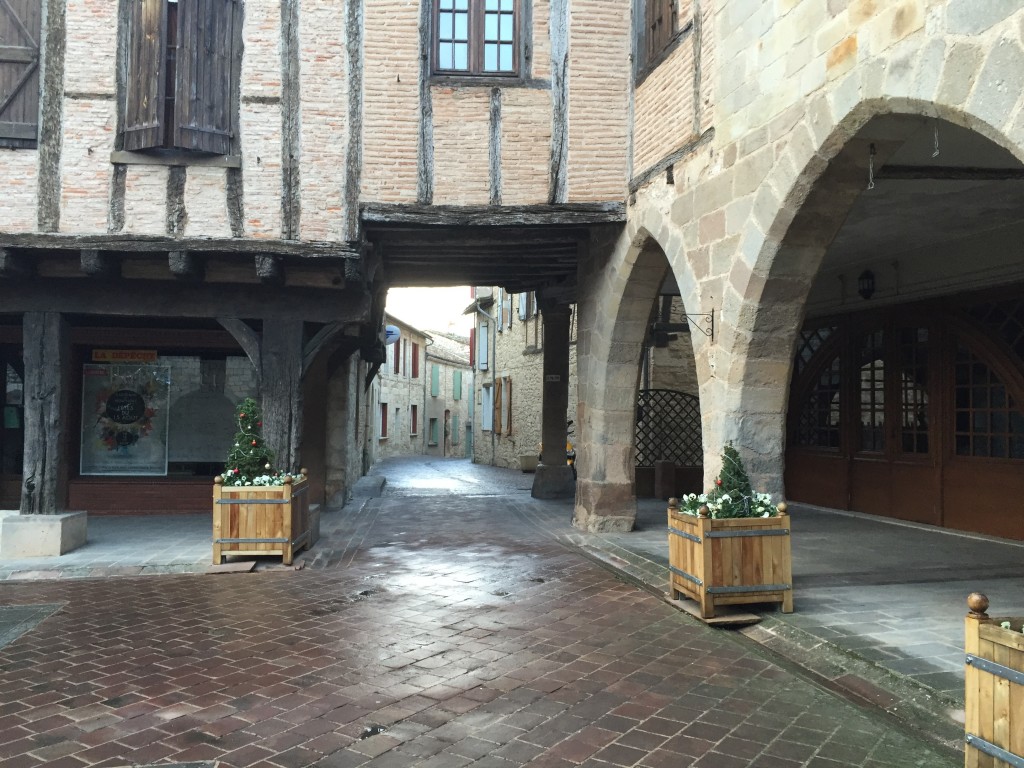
(668, 429)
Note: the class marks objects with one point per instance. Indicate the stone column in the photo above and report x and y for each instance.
(554, 479)
(47, 353)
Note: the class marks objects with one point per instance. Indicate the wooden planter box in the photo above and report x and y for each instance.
(261, 520)
(730, 562)
(993, 689)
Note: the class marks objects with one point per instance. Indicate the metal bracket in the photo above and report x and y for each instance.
(703, 322)
(757, 588)
(992, 750)
(724, 534)
(686, 576)
(995, 669)
(685, 535)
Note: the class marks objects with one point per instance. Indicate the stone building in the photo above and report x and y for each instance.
(830, 188)
(449, 393)
(509, 333)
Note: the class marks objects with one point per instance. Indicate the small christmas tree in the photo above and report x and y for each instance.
(734, 480)
(249, 457)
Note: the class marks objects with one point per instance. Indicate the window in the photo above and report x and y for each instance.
(456, 385)
(396, 357)
(414, 420)
(435, 380)
(19, 72)
(415, 360)
(405, 365)
(183, 63)
(432, 440)
(506, 405)
(481, 352)
(486, 408)
(660, 25)
(501, 310)
(383, 420)
(475, 37)
(396, 425)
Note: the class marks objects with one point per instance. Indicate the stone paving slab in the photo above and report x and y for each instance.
(444, 632)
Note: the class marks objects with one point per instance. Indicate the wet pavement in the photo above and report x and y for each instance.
(448, 623)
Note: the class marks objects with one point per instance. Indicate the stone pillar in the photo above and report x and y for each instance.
(281, 390)
(47, 353)
(554, 479)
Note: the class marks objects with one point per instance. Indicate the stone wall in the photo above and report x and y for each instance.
(518, 356)
(792, 84)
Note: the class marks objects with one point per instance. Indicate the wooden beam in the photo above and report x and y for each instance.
(431, 216)
(99, 264)
(947, 173)
(321, 339)
(269, 269)
(14, 264)
(185, 265)
(134, 243)
(247, 339)
(167, 298)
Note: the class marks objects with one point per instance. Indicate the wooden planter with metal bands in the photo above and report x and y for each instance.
(261, 520)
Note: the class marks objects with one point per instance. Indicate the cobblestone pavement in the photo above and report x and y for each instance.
(445, 631)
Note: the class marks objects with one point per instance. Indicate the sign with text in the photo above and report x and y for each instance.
(124, 355)
(124, 419)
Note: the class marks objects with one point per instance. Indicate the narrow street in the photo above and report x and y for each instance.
(446, 629)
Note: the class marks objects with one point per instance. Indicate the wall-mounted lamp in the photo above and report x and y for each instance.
(866, 284)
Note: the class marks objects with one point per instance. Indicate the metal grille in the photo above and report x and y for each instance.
(668, 428)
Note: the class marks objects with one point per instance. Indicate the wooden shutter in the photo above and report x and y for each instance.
(205, 70)
(145, 88)
(508, 405)
(456, 385)
(435, 380)
(19, 72)
(497, 406)
(415, 360)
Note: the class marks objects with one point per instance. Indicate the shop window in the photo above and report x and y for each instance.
(819, 422)
(20, 22)
(986, 417)
(872, 392)
(475, 37)
(182, 66)
(12, 436)
(913, 360)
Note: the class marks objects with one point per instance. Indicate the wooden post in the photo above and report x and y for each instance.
(281, 389)
(978, 605)
(785, 564)
(47, 353)
(707, 601)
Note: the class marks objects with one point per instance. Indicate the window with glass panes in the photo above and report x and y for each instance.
(475, 37)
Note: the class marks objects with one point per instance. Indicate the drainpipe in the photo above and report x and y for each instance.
(427, 342)
(491, 344)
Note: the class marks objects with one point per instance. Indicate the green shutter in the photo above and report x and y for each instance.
(457, 385)
(455, 429)
(435, 380)
(433, 431)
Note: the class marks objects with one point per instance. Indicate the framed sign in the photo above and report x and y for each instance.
(124, 419)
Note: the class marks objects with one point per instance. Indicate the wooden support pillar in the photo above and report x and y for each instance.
(281, 389)
(47, 354)
(554, 479)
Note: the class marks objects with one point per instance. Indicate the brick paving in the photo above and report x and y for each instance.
(443, 631)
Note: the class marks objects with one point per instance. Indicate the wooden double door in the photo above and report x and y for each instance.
(914, 412)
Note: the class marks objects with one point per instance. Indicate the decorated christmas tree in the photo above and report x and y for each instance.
(734, 480)
(249, 460)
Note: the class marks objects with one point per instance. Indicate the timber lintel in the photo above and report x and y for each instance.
(430, 216)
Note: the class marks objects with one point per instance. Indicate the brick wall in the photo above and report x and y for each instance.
(145, 199)
(598, 106)
(663, 111)
(525, 145)
(461, 146)
(391, 104)
(325, 88)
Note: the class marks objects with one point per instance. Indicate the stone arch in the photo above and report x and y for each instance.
(614, 318)
(782, 248)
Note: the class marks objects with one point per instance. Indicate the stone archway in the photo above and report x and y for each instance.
(614, 322)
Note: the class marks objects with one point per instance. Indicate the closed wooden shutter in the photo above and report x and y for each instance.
(508, 405)
(497, 406)
(19, 72)
(145, 89)
(205, 67)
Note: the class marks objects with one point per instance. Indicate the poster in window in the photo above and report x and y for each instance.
(124, 419)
